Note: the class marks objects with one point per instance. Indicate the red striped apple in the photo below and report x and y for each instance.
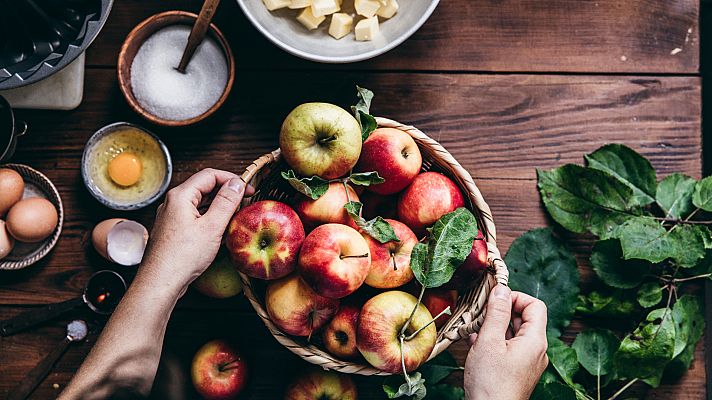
(334, 260)
(329, 208)
(379, 326)
(437, 300)
(390, 262)
(394, 155)
(322, 385)
(218, 371)
(340, 334)
(430, 196)
(295, 308)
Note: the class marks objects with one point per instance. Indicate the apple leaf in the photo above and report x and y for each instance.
(595, 349)
(674, 195)
(689, 322)
(414, 386)
(646, 351)
(439, 368)
(553, 391)
(650, 294)
(449, 243)
(607, 260)
(362, 112)
(378, 228)
(366, 178)
(445, 391)
(702, 198)
(629, 167)
(563, 359)
(313, 187)
(616, 304)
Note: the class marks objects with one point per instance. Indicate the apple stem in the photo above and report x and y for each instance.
(395, 266)
(412, 313)
(358, 256)
(224, 367)
(445, 311)
(327, 139)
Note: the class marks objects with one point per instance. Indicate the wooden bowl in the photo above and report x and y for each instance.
(143, 31)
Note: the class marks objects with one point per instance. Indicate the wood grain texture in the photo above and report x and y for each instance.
(622, 36)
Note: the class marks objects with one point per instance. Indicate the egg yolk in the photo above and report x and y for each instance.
(125, 169)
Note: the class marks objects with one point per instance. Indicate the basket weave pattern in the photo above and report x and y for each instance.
(264, 174)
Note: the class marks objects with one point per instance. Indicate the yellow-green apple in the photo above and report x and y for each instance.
(379, 327)
(221, 280)
(322, 385)
(297, 309)
(437, 300)
(430, 196)
(329, 208)
(218, 371)
(473, 267)
(390, 261)
(394, 155)
(263, 239)
(340, 333)
(334, 260)
(377, 205)
(320, 139)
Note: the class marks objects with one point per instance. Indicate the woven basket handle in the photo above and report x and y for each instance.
(258, 164)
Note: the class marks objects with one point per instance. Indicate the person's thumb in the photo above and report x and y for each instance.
(498, 314)
(226, 202)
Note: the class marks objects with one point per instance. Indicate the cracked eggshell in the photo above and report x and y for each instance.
(121, 241)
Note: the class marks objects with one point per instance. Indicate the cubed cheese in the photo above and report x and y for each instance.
(366, 29)
(388, 10)
(341, 25)
(324, 7)
(300, 4)
(309, 20)
(367, 8)
(276, 4)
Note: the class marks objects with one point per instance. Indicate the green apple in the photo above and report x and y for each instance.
(221, 280)
(320, 139)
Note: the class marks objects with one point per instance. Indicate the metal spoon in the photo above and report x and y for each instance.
(197, 34)
(76, 331)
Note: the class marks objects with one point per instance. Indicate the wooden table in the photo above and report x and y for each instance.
(506, 85)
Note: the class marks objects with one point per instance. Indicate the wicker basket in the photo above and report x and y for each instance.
(264, 174)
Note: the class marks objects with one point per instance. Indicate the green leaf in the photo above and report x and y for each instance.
(702, 198)
(644, 353)
(595, 349)
(646, 239)
(585, 199)
(687, 313)
(650, 294)
(629, 167)
(553, 391)
(313, 187)
(563, 359)
(445, 391)
(680, 364)
(607, 260)
(394, 386)
(616, 304)
(366, 178)
(362, 112)
(439, 368)
(543, 267)
(449, 243)
(377, 228)
(674, 195)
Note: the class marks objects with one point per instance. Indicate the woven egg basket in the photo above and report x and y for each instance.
(264, 175)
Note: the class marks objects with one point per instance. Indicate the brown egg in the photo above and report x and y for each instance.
(6, 241)
(121, 241)
(11, 188)
(32, 220)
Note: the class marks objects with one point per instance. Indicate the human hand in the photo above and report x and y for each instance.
(500, 366)
(183, 241)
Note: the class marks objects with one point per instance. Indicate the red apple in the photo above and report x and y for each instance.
(377, 205)
(340, 334)
(437, 300)
(394, 155)
(322, 385)
(218, 371)
(221, 280)
(329, 208)
(379, 326)
(390, 262)
(429, 197)
(473, 267)
(295, 308)
(334, 260)
(263, 239)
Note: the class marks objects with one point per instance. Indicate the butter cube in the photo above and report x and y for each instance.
(388, 10)
(324, 7)
(366, 29)
(367, 8)
(276, 4)
(341, 25)
(300, 4)
(309, 20)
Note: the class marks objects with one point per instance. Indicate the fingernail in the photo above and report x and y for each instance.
(502, 292)
(236, 184)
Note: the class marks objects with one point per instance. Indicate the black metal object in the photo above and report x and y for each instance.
(40, 37)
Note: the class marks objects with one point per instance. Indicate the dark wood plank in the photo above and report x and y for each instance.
(524, 35)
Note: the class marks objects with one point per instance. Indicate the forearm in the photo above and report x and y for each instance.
(129, 349)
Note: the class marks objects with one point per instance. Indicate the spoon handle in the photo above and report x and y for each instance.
(39, 372)
(197, 34)
(33, 317)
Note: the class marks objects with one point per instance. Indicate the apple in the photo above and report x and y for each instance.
(394, 155)
(390, 262)
(334, 260)
(264, 238)
(320, 139)
(221, 280)
(377, 205)
(340, 334)
(329, 208)
(218, 371)
(295, 308)
(430, 196)
(379, 326)
(322, 385)
(437, 300)
(473, 267)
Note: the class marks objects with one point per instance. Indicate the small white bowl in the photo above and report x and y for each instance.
(282, 29)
